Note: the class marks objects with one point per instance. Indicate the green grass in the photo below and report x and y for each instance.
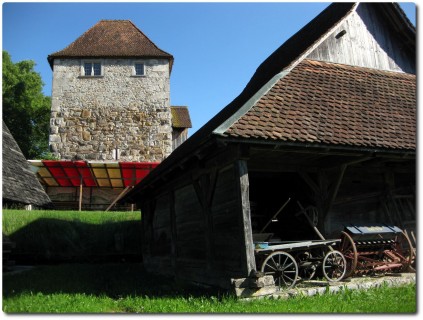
(13, 220)
(126, 288)
(44, 236)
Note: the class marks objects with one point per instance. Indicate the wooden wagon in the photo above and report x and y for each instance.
(290, 261)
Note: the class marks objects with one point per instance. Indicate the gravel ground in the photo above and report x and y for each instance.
(313, 287)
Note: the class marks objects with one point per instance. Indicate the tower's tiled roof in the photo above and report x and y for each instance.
(112, 38)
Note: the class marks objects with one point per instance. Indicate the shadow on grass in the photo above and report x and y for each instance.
(47, 240)
(64, 248)
(117, 280)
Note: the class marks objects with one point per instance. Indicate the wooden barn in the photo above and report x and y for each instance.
(326, 124)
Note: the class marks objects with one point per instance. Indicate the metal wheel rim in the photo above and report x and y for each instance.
(283, 267)
(349, 250)
(404, 247)
(334, 266)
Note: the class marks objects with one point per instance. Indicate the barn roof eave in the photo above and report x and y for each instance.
(405, 153)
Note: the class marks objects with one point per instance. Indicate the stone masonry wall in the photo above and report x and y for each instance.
(92, 116)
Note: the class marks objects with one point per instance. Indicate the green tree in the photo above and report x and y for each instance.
(26, 110)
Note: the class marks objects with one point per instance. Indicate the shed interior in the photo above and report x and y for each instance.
(274, 208)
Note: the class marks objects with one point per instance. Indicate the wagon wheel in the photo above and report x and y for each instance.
(282, 267)
(404, 248)
(334, 266)
(349, 250)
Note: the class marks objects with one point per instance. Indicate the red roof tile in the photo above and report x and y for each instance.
(112, 38)
(328, 103)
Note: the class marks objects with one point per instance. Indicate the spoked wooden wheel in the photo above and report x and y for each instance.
(334, 266)
(282, 267)
(349, 250)
(404, 249)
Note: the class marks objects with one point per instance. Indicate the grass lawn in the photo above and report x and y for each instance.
(126, 288)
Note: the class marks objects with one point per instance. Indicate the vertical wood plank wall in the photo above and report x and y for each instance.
(197, 232)
(366, 43)
(365, 198)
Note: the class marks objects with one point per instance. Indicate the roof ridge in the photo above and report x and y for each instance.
(147, 37)
(115, 20)
(269, 63)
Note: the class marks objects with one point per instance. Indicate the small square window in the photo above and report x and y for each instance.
(92, 69)
(139, 69)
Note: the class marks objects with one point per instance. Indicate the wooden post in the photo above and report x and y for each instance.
(174, 248)
(80, 195)
(248, 247)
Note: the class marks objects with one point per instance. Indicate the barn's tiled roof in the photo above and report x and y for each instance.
(20, 185)
(180, 117)
(282, 60)
(328, 103)
(112, 38)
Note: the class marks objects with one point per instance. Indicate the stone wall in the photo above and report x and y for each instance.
(91, 117)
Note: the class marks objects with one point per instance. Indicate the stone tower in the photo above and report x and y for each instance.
(111, 96)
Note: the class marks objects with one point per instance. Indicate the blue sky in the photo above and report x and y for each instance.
(216, 46)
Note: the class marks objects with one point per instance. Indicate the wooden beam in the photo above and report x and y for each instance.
(199, 190)
(275, 215)
(334, 192)
(243, 191)
(173, 243)
(203, 190)
(212, 186)
(117, 198)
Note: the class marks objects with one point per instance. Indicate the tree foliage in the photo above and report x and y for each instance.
(26, 110)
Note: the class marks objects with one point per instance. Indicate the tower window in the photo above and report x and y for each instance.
(92, 69)
(139, 69)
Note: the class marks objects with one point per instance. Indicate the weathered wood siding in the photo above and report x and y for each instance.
(366, 197)
(157, 234)
(366, 43)
(225, 225)
(196, 230)
(189, 222)
(161, 226)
